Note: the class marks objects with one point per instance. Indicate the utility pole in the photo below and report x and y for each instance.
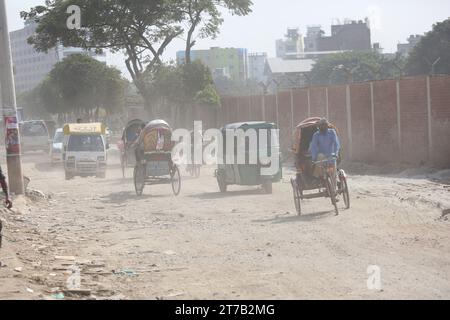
(9, 108)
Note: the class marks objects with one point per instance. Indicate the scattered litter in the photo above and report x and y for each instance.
(170, 252)
(30, 290)
(18, 269)
(174, 295)
(59, 296)
(127, 273)
(65, 258)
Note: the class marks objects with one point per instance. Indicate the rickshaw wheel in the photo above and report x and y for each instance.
(267, 186)
(345, 193)
(176, 180)
(297, 197)
(332, 194)
(139, 179)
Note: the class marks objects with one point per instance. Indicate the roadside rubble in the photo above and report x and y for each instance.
(37, 261)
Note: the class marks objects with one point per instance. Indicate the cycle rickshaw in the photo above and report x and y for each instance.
(332, 181)
(154, 163)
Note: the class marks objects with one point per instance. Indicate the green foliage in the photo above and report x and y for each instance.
(184, 85)
(32, 104)
(141, 29)
(355, 66)
(81, 84)
(434, 45)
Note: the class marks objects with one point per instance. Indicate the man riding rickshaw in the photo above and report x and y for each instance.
(317, 152)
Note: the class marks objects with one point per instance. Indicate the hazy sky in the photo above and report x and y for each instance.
(392, 21)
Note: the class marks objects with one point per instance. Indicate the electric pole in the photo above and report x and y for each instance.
(9, 108)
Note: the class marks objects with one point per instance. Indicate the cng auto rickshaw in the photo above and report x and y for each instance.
(249, 174)
(332, 181)
(154, 163)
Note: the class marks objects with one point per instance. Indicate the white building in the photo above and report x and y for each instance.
(293, 43)
(30, 66)
(257, 65)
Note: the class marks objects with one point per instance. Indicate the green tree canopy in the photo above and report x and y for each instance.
(141, 29)
(185, 85)
(354, 66)
(82, 85)
(433, 46)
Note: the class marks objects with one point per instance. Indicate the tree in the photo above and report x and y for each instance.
(141, 29)
(82, 85)
(181, 87)
(433, 47)
(354, 66)
(32, 104)
(205, 18)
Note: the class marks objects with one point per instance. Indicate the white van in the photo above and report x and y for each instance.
(84, 150)
(34, 136)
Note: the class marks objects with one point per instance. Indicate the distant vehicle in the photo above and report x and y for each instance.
(84, 150)
(248, 174)
(56, 150)
(34, 136)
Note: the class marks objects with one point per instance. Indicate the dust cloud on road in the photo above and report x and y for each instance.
(240, 245)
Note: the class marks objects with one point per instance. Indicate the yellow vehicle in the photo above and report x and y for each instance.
(84, 150)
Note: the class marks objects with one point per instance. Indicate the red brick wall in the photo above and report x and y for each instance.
(338, 115)
(256, 108)
(285, 119)
(440, 102)
(300, 105)
(414, 120)
(318, 101)
(271, 108)
(386, 129)
(361, 121)
(413, 116)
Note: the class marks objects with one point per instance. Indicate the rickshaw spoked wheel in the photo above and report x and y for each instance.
(332, 193)
(139, 179)
(297, 196)
(175, 178)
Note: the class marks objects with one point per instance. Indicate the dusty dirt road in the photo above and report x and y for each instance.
(242, 245)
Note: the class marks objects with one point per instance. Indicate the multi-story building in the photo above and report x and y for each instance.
(30, 66)
(404, 49)
(313, 34)
(293, 43)
(348, 36)
(257, 64)
(231, 63)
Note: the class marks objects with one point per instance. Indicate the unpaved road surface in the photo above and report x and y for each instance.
(241, 245)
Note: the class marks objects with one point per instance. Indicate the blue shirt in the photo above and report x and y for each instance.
(326, 143)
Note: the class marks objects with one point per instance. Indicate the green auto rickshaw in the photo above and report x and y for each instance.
(250, 172)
